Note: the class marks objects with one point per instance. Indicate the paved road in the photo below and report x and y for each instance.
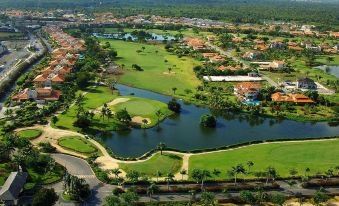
(79, 167)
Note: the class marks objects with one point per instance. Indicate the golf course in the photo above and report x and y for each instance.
(155, 62)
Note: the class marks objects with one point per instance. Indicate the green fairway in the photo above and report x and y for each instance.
(29, 133)
(155, 61)
(146, 108)
(166, 163)
(77, 144)
(319, 156)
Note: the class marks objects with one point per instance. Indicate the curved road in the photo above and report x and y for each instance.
(80, 168)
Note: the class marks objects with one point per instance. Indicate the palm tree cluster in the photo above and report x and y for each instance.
(75, 187)
(106, 112)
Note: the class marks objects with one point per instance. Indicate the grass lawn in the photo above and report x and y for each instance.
(155, 76)
(36, 177)
(94, 98)
(5, 169)
(48, 177)
(29, 133)
(77, 144)
(166, 163)
(319, 156)
(142, 107)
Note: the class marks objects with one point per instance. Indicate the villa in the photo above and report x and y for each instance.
(231, 68)
(293, 98)
(306, 83)
(276, 64)
(252, 55)
(48, 80)
(247, 91)
(10, 191)
(39, 94)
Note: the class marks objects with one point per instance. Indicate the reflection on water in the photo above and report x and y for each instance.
(184, 131)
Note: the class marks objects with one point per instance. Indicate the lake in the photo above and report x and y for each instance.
(184, 132)
(334, 70)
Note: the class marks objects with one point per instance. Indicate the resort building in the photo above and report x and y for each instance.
(293, 98)
(39, 94)
(247, 91)
(10, 191)
(306, 83)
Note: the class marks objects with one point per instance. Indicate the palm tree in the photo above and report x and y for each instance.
(174, 89)
(307, 171)
(145, 122)
(169, 178)
(158, 174)
(161, 146)
(159, 114)
(151, 190)
(183, 172)
(9, 113)
(270, 173)
(249, 165)
(111, 83)
(109, 114)
(169, 70)
(239, 169)
(116, 172)
(103, 112)
(216, 172)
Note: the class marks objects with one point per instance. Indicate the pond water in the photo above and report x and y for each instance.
(125, 36)
(330, 69)
(184, 132)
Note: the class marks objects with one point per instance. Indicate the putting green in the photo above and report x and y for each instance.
(77, 144)
(145, 108)
(29, 133)
(166, 163)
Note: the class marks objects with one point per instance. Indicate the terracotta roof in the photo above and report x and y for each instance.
(58, 78)
(41, 78)
(296, 98)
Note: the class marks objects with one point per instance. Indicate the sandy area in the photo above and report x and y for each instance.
(138, 120)
(172, 73)
(114, 102)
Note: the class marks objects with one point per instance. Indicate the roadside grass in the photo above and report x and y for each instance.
(94, 98)
(145, 108)
(166, 163)
(319, 156)
(77, 144)
(9, 35)
(29, 134)
(155, 61)
(36, 177)
(5, 170)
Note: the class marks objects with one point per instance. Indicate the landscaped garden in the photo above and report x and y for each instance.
(161, 164)
(29, 134)
(162, 71)
(318, 156)
(77, 144)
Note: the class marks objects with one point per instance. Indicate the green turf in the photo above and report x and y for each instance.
(155, 76)
(29, 133)
(145, 108)
(94, 98)
(77, 144)
(166, 163)
(319, 156)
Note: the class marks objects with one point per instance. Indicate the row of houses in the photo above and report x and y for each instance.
(249, 91)
(61, 64)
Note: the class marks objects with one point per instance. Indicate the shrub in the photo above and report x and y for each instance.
(208, 120)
